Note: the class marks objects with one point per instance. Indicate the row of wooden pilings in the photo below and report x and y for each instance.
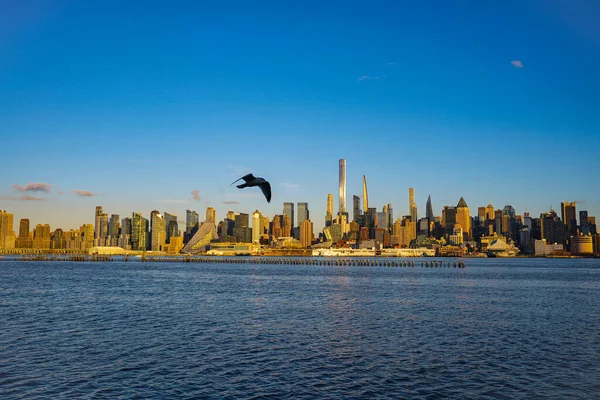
(368, 262)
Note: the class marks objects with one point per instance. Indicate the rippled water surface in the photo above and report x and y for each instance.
(501, 329)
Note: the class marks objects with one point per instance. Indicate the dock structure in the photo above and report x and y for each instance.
(250, 260)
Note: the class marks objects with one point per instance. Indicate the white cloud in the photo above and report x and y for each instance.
(34, 187)
(83, 193)
(517, 63)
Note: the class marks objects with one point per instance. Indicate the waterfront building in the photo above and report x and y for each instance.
(171, 226)
(174, 246)
(86, 238)
(365, 195)
(125, 237)
(205, 234)
(552, 228)
(306, 233)
(276, 231)
(412, 206)
(582, 245)
(114, 228)
(596, 242)
(7, 234)
(356, 213)
(158, 232)
(41, 237)
(24, 241)
(569, 217)
(329, 213)
(333, 233)
(390, 216)
(457, 237)
(139, 232)
(191, 221)
(543, 248)
(381, 220)
(241, 231)
(342, 188)
(57, 239)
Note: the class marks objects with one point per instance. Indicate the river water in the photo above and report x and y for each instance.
(497, 329)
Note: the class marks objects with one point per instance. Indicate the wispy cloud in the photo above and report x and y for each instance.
(83, 193)
(517, 63)
(290, 185)
(371, 78)
(172, 201)
(31, 198)
(196, 195)
(33, 187)
(231, 202)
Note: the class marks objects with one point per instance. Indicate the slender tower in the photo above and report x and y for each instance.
(429, 209)
(342, 204)
(97, 219)
(365, 195)
(412, 206)
(329, 213)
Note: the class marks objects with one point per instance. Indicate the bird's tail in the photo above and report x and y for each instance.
(243, 185)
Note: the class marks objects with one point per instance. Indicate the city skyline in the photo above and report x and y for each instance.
(136, 112)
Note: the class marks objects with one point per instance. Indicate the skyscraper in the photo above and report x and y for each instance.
(288, 209)
(306, 233)
(171, 226)
(569, 217)
(139, 232)
(256, 216)
(355, 208)
(329, 213)
(463, 218)
(365, 195)
(114, 226)
(211, 214)
(412, 206)
(303, 213)
(158, 231)
(98, 215)
(342, 204)
(7, 235)
(24, 241)
(191, 220)
(390, 215)
(429, 209)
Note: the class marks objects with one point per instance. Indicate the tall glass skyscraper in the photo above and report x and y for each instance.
(342, 204)
(288, 209)
(302, 212)
(191, 220)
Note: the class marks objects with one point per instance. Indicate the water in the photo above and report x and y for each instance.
(498, 329)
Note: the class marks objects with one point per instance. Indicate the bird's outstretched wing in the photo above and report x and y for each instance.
(266, 189)
(246, 178)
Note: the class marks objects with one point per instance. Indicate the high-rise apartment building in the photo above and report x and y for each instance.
(139, 232)
(329, 213)
(114, 228)
(552, 228)
(490, 213)
(97, 216)
(449, 219)
(41, 237)
(158, 231)
(365, 195)
(412, 206)
(569, 217)
(356, 213)
(24, 241)
(171, 226)
(342, 205)
(241, 231)
(306, 233)
(288, 209)
(7, 234)
(463, 218)
(390, 212)
(191, 221)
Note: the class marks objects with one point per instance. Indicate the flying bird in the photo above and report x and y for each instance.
(250, 180)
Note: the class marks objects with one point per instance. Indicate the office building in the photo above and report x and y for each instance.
(329, 213)
(429, 209)
(139, 232)
(211, 214)
(24, 241)
(158, 231)
(288, 209)
(356, 213)
(365, 195)
(191, 221)
(569, 217)
(7, 234)
(171, 226)
(412, 206)
(306, 233)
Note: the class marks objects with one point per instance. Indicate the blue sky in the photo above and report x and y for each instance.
(136, 105)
